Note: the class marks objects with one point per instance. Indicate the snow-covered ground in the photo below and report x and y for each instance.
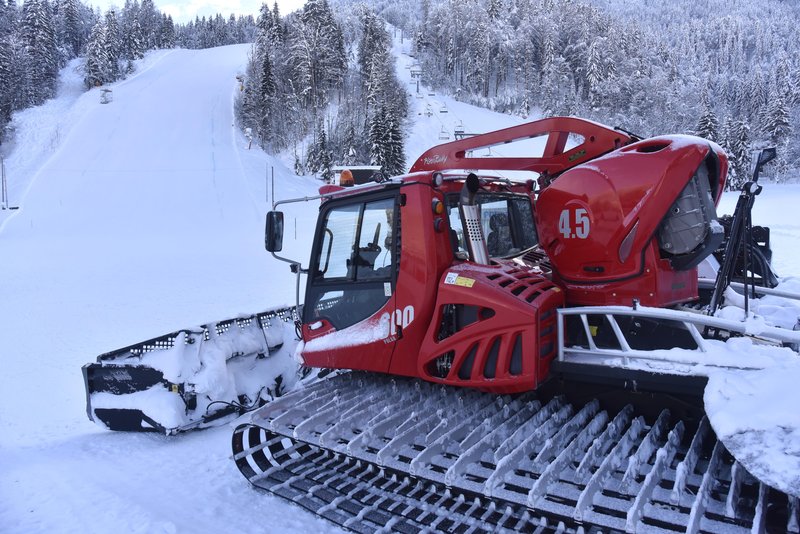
(137, 218)
(141, 216)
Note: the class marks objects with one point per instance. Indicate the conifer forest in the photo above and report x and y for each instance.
(320, 83)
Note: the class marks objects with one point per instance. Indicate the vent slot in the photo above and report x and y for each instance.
(490, 367)
(515, 368)
(533, 295)
(651, 148)
(465, 370)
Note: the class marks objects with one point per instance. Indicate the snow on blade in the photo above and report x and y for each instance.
(238, 362)
(756, 414)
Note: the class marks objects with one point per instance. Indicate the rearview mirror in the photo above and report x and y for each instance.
(767, 155)
(273, 234)
(764, 156)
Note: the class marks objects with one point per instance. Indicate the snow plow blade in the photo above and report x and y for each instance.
(192, 378)
(368, 452)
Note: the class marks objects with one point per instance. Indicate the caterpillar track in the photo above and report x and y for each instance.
(371, 453)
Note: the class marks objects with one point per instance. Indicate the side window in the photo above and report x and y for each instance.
(374, 255)
(354, 266)
(457, 239)
(496, 225)
(525, 229)
(507, 223)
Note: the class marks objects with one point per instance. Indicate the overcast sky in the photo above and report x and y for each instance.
(185, 10)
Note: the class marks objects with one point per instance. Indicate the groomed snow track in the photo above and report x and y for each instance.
(373, 453)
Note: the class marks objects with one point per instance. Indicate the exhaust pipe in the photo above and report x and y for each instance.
(471, 221)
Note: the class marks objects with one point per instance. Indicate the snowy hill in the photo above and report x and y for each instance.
(146, 216)
(139, 217)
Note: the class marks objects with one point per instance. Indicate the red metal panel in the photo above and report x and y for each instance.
(597, 140)
(516, 298)
(584, 216)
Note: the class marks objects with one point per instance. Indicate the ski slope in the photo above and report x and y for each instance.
(137, 218)
(146, 217)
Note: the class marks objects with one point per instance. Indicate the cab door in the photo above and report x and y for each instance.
(350, 303)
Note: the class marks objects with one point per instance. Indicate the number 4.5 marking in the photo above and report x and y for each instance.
(581, 221)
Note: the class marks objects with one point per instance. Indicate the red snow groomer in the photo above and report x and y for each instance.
(411, 271)
(458, 276)
(515, 354)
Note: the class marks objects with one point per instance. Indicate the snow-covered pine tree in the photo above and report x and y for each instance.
(15, 61)
(776, 119)
(113, 45)
(149, 20)
(494, 9)
(266, 97)
(167, 32)
(5, 20)
(481, 57)
(134, 40)
(594, 73)
(38, 34)
(263, 25)
(349, 154)
(739, 153)
(247, 103)
(396, 158)
(377, 137)
(376, 80)
(73, 36)
(98, 63)
(374, 38)
(8, 18)
(299, 169)
(277, 32)
(326, 173)
(7, 72)
(386, 140)
(318, 156)
(707, 124)
(316, 52)
(756, 97)
(221, 32)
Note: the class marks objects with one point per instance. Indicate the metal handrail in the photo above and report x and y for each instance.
(692, 322)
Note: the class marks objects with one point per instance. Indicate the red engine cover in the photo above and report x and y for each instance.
(597, 222)
(493, 328)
